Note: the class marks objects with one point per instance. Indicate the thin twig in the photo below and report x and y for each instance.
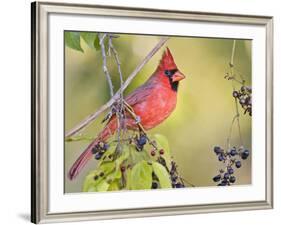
(230, 131)
(183, 180)
(104, 62)
(116, 57)
(238, 121)
(107, 105)
(228, 77)
(237, 115)
(120, 111)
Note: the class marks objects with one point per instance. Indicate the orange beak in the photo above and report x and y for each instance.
(178, 76)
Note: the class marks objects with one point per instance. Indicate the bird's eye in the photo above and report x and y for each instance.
(170, 73)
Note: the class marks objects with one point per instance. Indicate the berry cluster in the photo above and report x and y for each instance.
(141, 140)
(177, 181)
(231, 158)
(99, 150)
(244, 96)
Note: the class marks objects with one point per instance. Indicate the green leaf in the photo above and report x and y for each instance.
(97, 43)
(72, 40)
(102, 186)
(114, 186)
(98, 184)
(162, 143)
(89, 38)
(141, 176)
(107, 167)
(162, 174)
(90, 183)
(124, 156)
(128, 179)
(115, 175)
(137, 156)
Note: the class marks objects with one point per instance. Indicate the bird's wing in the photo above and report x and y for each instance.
(136, 97)
(139, 95)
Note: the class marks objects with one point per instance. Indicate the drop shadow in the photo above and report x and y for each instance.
(24, 216)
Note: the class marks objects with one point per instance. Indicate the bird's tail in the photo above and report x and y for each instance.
(82, 160)
(88, 154)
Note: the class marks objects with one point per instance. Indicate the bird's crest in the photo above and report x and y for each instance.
(167, 61)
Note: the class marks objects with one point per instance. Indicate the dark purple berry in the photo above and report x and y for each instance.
(161, 151)
(179, 185)
(142, 140)
(235, 94)
(245, 154)
(174, 179)
(217, 178)
(249, 101)
(238, 164)
(233, 152)
(152, 153)
(94, 150)
(249, 89)
(242, 101)
(98, 156)
(224, 181)
(230, 170)
(232, 179)
(221, 157)
(96, 177)
(217, 150)
(154, 185)
(101, 174)
(226, 176)
(105, 146)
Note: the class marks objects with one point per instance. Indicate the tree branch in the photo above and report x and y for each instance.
(120, 109)
(85, 122)
(104, 62)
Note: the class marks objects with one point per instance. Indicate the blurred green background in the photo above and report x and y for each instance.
(205, 106)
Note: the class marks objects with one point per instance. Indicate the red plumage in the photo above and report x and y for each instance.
(153, 102)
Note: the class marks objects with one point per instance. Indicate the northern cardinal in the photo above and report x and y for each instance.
(152, 102)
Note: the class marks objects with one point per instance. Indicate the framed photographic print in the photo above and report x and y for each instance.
(146, 112)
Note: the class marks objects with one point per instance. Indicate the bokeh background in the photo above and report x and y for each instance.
(204, 110)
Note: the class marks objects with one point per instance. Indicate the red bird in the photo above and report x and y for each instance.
(153, 102)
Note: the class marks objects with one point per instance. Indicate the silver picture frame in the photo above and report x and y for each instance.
(39, 151)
